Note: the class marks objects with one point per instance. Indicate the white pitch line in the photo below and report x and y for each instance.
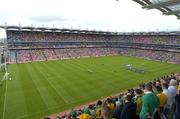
(5, 101)
(66, 101)
(56, 91)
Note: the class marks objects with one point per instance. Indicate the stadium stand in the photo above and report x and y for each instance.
(37, 44)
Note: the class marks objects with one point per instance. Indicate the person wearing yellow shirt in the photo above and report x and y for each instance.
(110, 105)
(179, 88)
(161, 96)
(98, 110)
(138, 100)
(162, 99)
(86, 114)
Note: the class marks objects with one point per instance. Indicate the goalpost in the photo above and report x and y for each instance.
(3, 66)
(6, 73)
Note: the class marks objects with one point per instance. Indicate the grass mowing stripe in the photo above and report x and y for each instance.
(52, 90)
(79, 86)
(109, 82)
(68, 85)
(77, 66)
(84, 88)
(81, 77)
(104, 70)
(33, 100)
(15, 96)
(62, 91)
(35, 80)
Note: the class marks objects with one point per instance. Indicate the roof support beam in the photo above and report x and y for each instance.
(162, 4)
(172, 12)
(162, 10)
(140, 2)
(147, 1)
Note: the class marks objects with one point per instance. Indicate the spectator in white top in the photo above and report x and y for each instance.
(173, 87)
(173, 91)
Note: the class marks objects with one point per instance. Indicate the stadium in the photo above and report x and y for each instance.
(66, 73)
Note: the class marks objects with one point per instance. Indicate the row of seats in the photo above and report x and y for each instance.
(163, 56)
(50, 54)
(14, 36)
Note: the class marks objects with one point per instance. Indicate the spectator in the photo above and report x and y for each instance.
(177, 111)
(129, 108)
(150, 103)
(138, 100)
(86, 114)
(161, 96)
(110, 105)
(117, 111)
(99, 110)
(106, 113)
(73, 114)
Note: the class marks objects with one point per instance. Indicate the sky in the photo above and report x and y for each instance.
(105, 15)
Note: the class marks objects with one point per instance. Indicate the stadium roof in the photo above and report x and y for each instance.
(167, 7)
(65, 30)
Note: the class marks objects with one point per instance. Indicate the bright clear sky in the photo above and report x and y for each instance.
(107, 15)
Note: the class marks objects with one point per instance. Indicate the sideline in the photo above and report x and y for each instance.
(5, 101)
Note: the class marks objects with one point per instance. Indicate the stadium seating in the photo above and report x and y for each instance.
(152, 54)
(56, 36)
(28, 46)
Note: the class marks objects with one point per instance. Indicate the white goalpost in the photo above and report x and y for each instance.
(4, 67)
(6, 74)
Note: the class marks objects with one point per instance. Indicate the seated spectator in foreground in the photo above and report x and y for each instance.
(98, 110)
(73, 114)
(138, 100)
(161, 96)
(110, 105)
(92, 110)
(117, 110)
(162, 101)
(86, 114)
(179, 88)
(173, 90)
(106, 113)
(167, 106)
(177, 114)
(129, 108)
(150, 103)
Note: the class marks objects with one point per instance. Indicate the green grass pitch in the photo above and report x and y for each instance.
(43, 88)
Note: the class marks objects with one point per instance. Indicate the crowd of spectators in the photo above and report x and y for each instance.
(70, 53)
(73, 49)
(14, 36)
(159, 99)
(163, 56)
(50, 54)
